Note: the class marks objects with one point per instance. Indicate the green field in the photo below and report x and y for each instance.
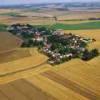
(81, 26)
(3, 27)
(13, 14)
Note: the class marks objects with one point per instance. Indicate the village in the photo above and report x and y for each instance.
(57, 45)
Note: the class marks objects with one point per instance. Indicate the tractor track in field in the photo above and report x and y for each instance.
(91, 95)
(22, 70)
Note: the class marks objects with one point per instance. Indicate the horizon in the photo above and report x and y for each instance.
(28, 2)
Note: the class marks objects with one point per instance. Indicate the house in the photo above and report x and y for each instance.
(38, 37)
(58, 32)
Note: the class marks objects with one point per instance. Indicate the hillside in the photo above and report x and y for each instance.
(8, 42)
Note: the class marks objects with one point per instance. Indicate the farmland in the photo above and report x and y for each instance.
(45, 16)
(75, 71)
(10, 42)
(70, 25)
(3, 27)
(87, 25)
(9, 14)
(25, 73)
(84, 74)
(14, 55)
(32, 60)
(26, 88)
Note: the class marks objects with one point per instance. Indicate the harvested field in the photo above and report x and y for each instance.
(23, 90)
(9, 45)
(8, 42)
(73, 80)
(24, 64)
(45, 16)
(30, 71)
(55, 89)
(79, 15)
(83, 73)
(67, 15)
(14, 55)
(71, 85)
(4, 11)
(27, 20)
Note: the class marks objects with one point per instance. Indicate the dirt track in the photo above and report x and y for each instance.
(71, 85)
(18, 71)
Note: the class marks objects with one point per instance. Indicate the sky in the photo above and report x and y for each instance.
(13, 2)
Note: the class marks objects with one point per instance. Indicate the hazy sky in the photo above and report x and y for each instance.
(7, 2)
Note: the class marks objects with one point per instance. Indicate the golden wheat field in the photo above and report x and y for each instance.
(31, 78)
(14, 55)
(32, 60)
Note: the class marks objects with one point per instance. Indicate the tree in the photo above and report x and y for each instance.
(89, 55)
(86, 55)
(94, 52)
(55, 18)
(30, 42)
(42, 28)
(83, 44)
(23, 44)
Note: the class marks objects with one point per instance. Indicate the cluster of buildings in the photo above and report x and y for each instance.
(20, 28)
(72, 45)
(56, 58)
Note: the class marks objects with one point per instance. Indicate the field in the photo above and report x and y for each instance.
(14, 55)
(3, 27)
(80, 26)
(73, 80)
(24, 72)
(8, 42)
(45, 16)
(31, 61)
(23, 90)
(76, 78)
